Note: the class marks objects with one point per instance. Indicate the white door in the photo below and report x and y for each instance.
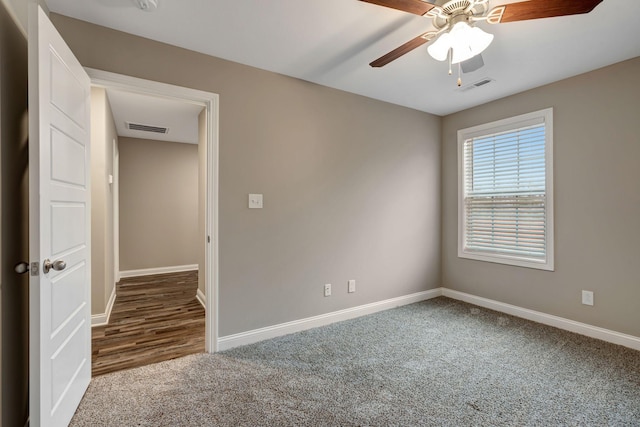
(59, 226)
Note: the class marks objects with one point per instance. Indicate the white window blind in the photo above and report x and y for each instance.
(504, 195)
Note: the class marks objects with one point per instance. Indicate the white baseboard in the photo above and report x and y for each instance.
(158, 270)
(548, 319)
(201, 298)
(250, 337)
(103, 319)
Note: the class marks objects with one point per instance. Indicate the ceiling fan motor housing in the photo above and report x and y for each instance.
(454, 11)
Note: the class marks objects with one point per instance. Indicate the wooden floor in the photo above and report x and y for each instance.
(154, 318)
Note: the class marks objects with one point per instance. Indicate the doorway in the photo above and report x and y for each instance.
(207, 147)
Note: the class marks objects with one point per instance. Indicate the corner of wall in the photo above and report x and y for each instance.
(18, 10)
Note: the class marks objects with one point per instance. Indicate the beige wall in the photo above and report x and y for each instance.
(14, 218)
(103, 139)
(158, 204)
(351, 185)
(597, 202)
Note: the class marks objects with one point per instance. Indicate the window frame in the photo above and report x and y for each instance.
(509, 124)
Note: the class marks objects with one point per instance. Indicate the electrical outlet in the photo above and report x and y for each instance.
(587, 297)
(327, 290)
(255, 201)
(352, 286)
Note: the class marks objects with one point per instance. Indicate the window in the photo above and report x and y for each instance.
(505, 191)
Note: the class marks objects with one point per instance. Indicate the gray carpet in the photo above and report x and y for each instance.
(436, 363)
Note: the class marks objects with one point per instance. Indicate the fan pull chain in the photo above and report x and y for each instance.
(459, 79)
(450, 55)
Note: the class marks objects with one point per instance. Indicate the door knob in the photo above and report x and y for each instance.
(21, 267)
(58, 265)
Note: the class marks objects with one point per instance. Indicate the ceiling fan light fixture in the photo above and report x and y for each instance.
(440, 48)
(463, 40)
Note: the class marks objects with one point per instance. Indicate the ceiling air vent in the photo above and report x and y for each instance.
(147, 128)
(481, 82)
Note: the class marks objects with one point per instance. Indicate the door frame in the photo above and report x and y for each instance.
(210, 101)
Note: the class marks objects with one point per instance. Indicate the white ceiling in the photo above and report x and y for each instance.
(331, 42)
(181, 118)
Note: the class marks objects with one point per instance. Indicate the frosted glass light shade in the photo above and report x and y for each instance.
(465, 41)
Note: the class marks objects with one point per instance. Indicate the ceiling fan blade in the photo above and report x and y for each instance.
(536, 9)
(417, 7)
(405, 48)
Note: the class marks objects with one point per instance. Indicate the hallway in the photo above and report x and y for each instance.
(154, 318)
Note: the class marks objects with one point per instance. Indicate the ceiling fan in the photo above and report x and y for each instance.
(454, 22)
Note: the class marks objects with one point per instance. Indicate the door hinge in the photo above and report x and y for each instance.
(208, 239)
(35, 268)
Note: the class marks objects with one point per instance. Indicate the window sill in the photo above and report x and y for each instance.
(508, 260)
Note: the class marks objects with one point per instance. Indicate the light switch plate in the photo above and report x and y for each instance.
(255, 201)
(352, 286)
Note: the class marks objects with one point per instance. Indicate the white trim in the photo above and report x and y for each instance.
(115, 206)
(250, 337)
(548, 319)
(202, 299)
(107, 79)
(158, 270)
(103, 319)
(256, 335)
(211, 248)
(211, 102)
